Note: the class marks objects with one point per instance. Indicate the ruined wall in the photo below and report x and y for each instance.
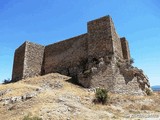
(66, 57)
(125, 48)
(99, 75)
(95, 59)
(27, 61)
(115, 79)
(131, 87)
(103, 42)
(19, 55)
(74, 55)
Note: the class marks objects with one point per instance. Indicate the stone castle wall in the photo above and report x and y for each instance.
(99, 38)
(33, 59)
(73, 55)
(27, 61)
(65, 56)
(95, 59)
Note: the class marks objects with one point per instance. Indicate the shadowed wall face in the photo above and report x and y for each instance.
(65, 57)
(18, 65)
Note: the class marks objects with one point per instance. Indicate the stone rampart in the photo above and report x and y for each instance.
(98, 58)
(65, 56)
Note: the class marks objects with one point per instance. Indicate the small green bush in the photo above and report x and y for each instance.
(101, 95)
(87, 73)
(131, 61)
(148, 92)
(27, 117)
(6, 81)
(118, 64)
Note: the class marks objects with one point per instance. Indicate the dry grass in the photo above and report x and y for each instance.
(17, 89)
(117, 107)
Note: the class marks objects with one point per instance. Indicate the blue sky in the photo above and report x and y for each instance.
(49, 21)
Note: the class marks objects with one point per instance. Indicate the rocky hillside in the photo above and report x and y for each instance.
(53, 97)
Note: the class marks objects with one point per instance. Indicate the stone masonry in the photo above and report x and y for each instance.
(98, 58)
(27, 61)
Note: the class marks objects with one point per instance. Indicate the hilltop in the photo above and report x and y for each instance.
(53, 97)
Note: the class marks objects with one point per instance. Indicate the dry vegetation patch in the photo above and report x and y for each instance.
(58, 99)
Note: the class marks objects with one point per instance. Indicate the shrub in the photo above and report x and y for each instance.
(118, 64)
(148, 92)
(6, 81)
(101, 95)
(87, 73)
(131, 61)
(31, 118)
(145, 107)
(140, 70)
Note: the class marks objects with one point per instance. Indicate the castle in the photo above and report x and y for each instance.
(98, 58)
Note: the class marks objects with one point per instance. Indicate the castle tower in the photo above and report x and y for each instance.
(28, 60)
(99, 37)
(103, 39)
